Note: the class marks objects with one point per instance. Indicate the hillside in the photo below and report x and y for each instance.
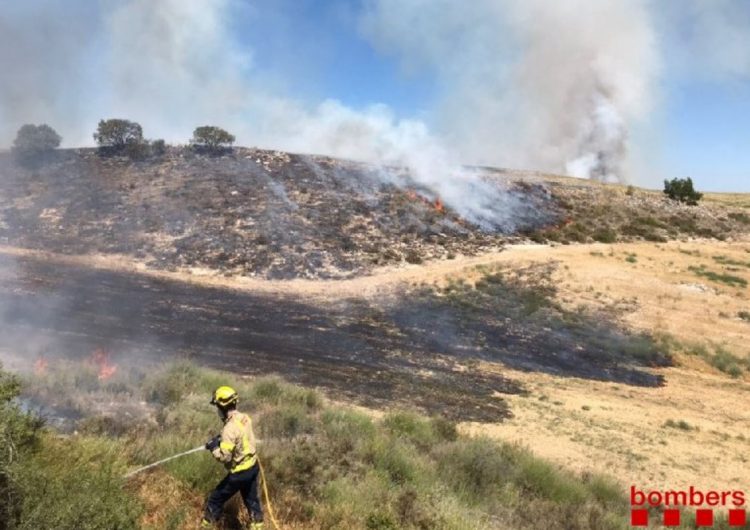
(279, 215)
(251, 212)
(583, 331)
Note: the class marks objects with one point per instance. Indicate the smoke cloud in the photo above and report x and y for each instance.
(713, 39)
(555, 86)
(544, 85)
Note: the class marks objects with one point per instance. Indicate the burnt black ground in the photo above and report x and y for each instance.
(250, 212)
(405, 351)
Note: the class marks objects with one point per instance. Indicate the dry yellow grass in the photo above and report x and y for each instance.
(620, 429)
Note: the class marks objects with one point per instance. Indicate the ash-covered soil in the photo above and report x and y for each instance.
(249, 212)
(421, 348)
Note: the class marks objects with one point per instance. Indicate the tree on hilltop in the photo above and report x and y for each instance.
(116, 135)
(34, 143)
(212, 139)
(682, 190)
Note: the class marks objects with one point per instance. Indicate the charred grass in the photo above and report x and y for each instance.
(247, 212)
(511, 317)
(418, 348)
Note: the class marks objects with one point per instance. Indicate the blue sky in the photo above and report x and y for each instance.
(315, 50)
(706, 134)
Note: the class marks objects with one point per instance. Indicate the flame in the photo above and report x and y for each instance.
(100, 359)
(40, 366)
(439, 205)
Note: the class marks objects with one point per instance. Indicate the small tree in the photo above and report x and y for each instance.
(682, 190)
(114, 135)
(35, 142)
(158, 147)
(212, 139)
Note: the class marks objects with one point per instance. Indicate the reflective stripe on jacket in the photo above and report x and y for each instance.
(237, 447)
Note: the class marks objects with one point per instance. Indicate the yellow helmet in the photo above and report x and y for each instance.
(224, 396)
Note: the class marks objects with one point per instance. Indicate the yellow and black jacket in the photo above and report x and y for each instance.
(237, 447)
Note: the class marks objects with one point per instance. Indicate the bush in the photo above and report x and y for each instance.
(115, 136)
(178, 380)
(158, 147)
(34, 142)
(605, 235)
(79, 484)
(211, 139)
(137, 150)
(682, 190)
(725, 361)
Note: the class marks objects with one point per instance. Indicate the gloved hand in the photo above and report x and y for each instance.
(213, 443)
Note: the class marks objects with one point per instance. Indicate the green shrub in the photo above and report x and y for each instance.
(729, 279)
(211, 139)
(409, 426)
(605, 235)
(158, 147)
(66, 484)
(75, 484)
(34, 143)
(178, 380)
(412, 256)
(725, 361)
(681, 424)
(544, 480)
(170, 386)
(682, 190)
(284, 422)
(399, 460)
(725, 260)
(346, 430)
(274, 391)
(478, 467)
(117, 136)
(19, 436)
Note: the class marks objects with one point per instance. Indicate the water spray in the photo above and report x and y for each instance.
(165, 460)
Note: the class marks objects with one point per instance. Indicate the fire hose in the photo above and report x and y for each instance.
(203, 448)
(164, 461)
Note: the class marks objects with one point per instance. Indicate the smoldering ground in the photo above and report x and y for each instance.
(417, 348)
(256, 213)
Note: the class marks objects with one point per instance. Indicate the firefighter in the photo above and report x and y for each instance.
(235, 448)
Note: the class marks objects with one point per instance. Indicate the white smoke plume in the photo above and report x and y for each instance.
(543, 85)
(554, 86)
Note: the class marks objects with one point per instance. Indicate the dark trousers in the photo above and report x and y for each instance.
(246, 482)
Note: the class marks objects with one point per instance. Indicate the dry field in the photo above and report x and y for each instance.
(693, 430)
